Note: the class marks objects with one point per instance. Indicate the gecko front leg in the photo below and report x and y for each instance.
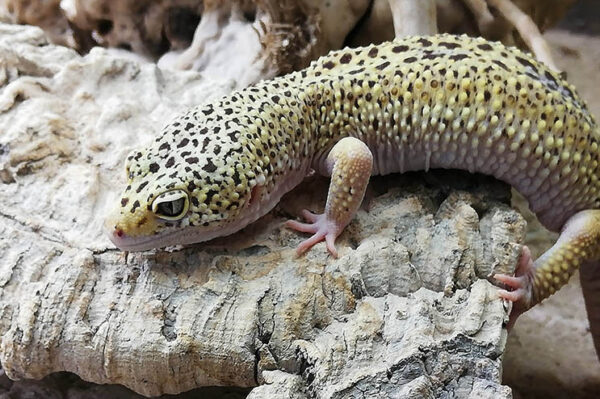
(349, 163)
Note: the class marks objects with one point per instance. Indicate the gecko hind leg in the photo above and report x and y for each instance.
(349, 163)
(590, 285)
(578, 245)
(520, 285)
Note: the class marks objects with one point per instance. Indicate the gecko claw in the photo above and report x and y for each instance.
(320, 227)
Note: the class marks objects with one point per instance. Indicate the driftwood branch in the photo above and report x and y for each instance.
(406, 307)
(528, 30)
(414, 17)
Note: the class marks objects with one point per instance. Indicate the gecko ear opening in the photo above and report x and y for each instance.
(172, 205)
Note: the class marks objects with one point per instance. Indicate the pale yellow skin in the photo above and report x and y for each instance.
(416, 103)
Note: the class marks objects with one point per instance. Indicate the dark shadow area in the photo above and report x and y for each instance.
(69, 386)
(583, 17)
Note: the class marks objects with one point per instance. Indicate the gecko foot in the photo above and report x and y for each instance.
(521, 286)
(320, 227)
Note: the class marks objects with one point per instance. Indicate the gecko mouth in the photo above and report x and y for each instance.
(187, 236)
(135, 244)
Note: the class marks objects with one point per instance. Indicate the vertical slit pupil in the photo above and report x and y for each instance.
(171, 208)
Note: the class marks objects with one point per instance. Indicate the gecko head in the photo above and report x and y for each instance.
(179, 198)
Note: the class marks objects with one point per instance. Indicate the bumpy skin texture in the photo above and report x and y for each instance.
(416, 103)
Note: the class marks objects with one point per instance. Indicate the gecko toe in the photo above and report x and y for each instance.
(513, 282)
(308, 244)
(302, 227)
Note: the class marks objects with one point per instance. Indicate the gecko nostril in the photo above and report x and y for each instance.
(118, 232)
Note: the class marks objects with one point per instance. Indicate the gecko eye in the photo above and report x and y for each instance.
(172, 205)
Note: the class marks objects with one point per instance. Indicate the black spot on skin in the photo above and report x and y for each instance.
(205, 143)
(191, 160)
(487, 95)
(410, 59)
(458, 57)
(137, 156)
(424, 42)
(431, 56)
(217, 149)
(136, 205)
(236, 177)
(376, 124)
(485, 47)
(275, 99)
(217, 129)
(189, 126)
(345, 59)
(170, 162)
(204, 130)
(383, 65)
(449, 45)
(124, 201)
(228, 111)
(409, 120)
(185, 153)
(209, 195)
(154, 167)
(501, 65)
(210, 167)
(164, 146)
(373, 52)
(183, 143)
(399, 49)
(368, 97)
(571, 95)
(549, 76)
(141, 187)
(329, 65)
(357, 71)
(191, 186)
(525, 62)
(207, 111)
